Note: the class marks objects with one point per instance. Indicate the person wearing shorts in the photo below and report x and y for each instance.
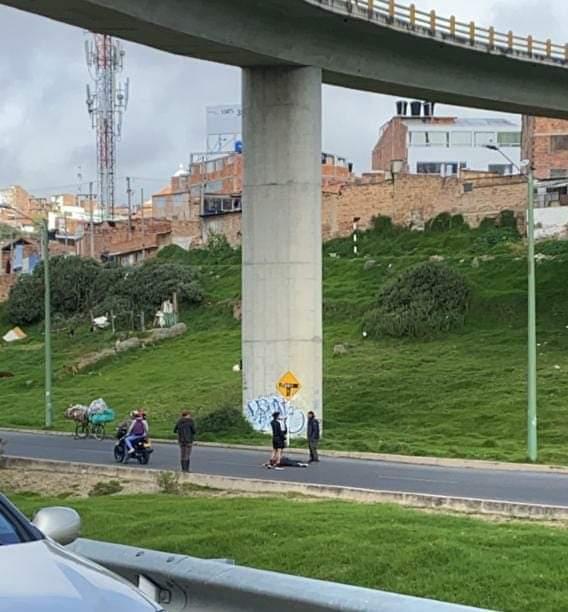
(278, 439)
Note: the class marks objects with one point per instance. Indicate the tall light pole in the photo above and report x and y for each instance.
(532, 423)
(47, 323)
(47, 312)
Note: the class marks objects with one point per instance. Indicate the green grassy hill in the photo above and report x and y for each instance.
(460, 395)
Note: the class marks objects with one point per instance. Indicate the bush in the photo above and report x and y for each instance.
(508, 219)
(168, 482)
(218, 251)
(440, 223)
(383, 225)
(421, 302)
(227, 419)
(105, 488)
(79, 285)
(25, 304)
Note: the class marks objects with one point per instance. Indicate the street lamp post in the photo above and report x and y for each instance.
(47, 323)
(532, 424)
(47, 313)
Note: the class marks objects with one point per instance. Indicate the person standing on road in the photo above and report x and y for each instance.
(278, 440)
(185, 430)
(313, 436)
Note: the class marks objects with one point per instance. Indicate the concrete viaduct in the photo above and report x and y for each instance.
(286, 49)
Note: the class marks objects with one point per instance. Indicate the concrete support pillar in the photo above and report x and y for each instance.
(282, 267)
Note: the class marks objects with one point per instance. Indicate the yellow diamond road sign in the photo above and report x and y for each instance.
(288, 386)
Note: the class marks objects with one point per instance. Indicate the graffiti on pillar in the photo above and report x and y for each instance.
(259, 414)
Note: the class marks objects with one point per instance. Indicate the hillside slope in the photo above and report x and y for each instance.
(459, 395)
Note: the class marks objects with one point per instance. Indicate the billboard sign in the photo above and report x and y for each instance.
(223, 120)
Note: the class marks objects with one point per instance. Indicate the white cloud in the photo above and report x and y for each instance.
(45, 131)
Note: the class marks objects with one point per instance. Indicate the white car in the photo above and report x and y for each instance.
(37, 574)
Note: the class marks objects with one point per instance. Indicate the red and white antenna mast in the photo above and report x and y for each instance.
(106, 106)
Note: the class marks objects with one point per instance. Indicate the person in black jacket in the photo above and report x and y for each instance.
(185, 430)
(313, 436)
(278, 440)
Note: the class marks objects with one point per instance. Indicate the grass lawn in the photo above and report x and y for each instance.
(514, 567)
(459, 395)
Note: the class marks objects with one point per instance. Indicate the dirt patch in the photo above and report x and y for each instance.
(55, 484)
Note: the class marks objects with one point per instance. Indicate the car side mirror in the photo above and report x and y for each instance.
(60, 524)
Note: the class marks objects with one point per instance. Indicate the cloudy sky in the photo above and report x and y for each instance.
(45, 133)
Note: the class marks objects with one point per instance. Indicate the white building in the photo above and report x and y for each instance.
(425, 144)
(448, 147)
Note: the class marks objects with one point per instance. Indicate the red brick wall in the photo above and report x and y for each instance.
(411, 200)
(391, 145)
(538, 147)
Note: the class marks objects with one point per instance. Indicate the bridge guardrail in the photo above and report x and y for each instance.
(181, 583)
(392, 13)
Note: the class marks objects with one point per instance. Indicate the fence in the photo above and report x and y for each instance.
(184, 583)
(450, 29)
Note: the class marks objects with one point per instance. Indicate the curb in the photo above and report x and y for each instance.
(463, 505)
(477, 464)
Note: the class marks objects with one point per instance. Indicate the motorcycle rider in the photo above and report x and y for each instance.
(137, 431)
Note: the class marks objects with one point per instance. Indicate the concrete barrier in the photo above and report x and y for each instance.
(463, 505)
(181, 583)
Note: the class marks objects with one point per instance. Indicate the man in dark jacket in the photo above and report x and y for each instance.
(185, 430)
(313, 436)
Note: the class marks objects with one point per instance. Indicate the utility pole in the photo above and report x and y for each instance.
(92, 220)
(532, 422)
(47, 323)
(129, 194)
(143, 228)
(531, 378)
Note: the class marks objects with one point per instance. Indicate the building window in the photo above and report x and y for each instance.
(467, 187)
(559, 143)
(483, 139)
(214, 186)
(509, 139)
(461, 139)
(428, 139)
(557, 173)
(428, 168)
(501, 168)
(437, 139)
(443, 168)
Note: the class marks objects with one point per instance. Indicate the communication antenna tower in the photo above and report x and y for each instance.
(106, 103)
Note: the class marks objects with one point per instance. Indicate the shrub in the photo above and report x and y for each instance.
(168, 482)
(227, 419)
(382, 225)
(79, 285)
(421, 302)
(105, 488)
(25, 304)
(508, 219)
(440, 223)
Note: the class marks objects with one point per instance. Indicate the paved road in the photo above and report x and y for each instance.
(530, 487)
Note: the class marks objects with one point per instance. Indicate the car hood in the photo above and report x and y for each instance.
(43, 577)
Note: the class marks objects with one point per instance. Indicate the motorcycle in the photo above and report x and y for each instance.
(142, 449)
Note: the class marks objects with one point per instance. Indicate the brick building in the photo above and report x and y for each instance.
(219, 182)
(116, 241)
(421, 143)
(545, 145)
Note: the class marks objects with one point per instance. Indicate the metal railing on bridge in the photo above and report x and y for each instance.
(408, 17)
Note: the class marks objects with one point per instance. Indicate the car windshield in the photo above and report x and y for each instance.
(9, 532)
(14, 526)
